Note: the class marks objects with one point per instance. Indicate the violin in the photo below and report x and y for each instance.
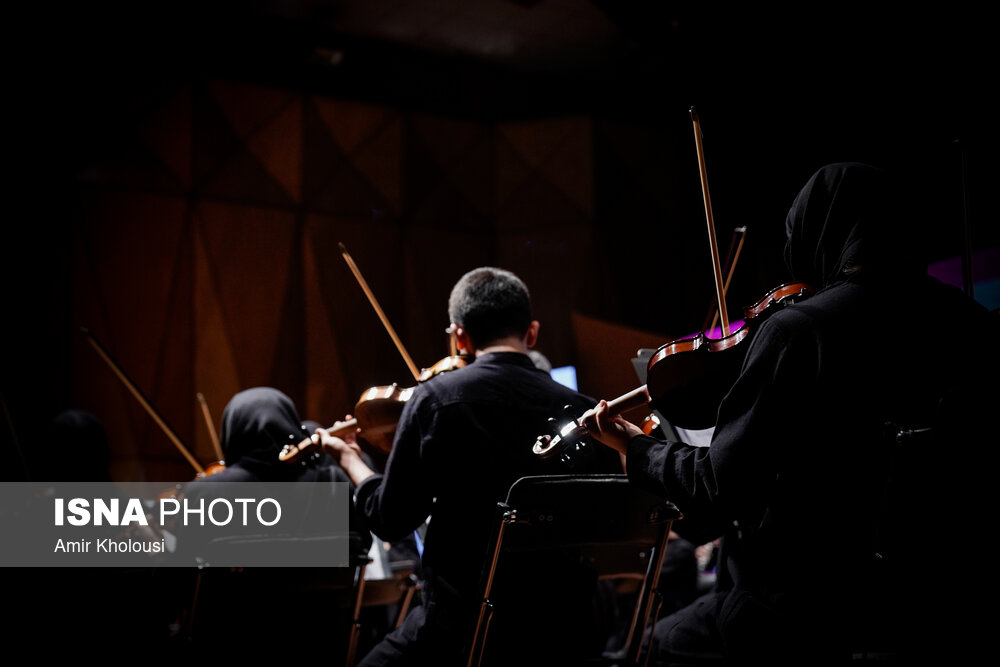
(676, 374)
(690, 384)
(686, 377)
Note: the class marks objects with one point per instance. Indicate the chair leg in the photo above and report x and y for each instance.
(404, 604)
(644, 645)
(486, 609)
(649, 598)
(355, 629)
(479, 638)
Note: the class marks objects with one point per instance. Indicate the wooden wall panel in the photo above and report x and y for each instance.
(132, 286)
(207, 250)
(545, 174)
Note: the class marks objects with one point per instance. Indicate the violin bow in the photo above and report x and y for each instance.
(735, 247)
(211, 426)
(143, 401)
(720, 294)
(379, 312)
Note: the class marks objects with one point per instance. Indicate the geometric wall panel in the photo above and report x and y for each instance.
(131, 289)
(232, 277)
(253, 270)
(226, 163)
(166, 131)
(545, 172)
(351, 157)
(449, 173)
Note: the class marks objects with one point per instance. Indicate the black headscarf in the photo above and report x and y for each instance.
(256, 424)
(848, 214)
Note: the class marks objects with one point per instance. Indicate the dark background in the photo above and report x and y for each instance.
(778, 93)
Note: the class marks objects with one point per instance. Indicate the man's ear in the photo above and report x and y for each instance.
(462, 340)
(531, 337)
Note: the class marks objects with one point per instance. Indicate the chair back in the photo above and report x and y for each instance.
(618, 531)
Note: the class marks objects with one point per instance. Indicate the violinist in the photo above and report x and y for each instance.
(840, 452)
(256, 424)
(463, 438)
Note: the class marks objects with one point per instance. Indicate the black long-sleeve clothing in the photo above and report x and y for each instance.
(826, 516)
(463, 438)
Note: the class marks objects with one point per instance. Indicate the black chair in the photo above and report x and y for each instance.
(614, 529)
(261, 607)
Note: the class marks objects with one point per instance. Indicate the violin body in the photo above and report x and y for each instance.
(688, 378)
(378, 412)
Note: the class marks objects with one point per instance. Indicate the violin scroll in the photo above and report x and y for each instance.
(565, 432)
(293, 452)
(568, 433)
